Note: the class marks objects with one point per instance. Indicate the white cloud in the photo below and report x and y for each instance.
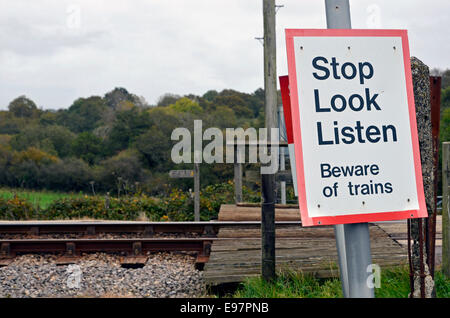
(152, 47)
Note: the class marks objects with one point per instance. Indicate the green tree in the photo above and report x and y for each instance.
(185, 105)
(120, 97)
(167, 99)
(85, 114)
(210, 95)
(88, 147)
(236, 101)
(53, 139)
(22, 107)
(120, 172)
(165, 120)
(445, 99)
(154, 146)
(48, 117)
(127, 126)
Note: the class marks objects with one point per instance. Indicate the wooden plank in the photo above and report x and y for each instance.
(231, 212)
(308, 249)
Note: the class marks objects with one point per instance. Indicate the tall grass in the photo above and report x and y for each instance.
(289, 284)
(39, 199)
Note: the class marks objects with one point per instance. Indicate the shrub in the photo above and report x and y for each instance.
(69, 174)
(96, 207)
(177, 206)
(180, 206)
(16, 209)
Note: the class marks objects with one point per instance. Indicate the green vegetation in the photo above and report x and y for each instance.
(394, 284)
(119, 144)
(115, 143)
(39, 199)
(290, 285)
(177, 206)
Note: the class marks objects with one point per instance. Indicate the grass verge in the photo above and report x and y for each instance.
(39, 199)
(394, 284)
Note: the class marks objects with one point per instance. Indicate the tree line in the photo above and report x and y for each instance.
(118, 143)
(113, 143)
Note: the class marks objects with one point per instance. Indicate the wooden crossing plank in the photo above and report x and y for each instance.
(231, 212)
(310, 250)
(307, 249)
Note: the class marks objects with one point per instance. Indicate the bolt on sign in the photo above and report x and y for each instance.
(354, 123)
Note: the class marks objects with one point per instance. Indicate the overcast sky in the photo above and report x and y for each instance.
(54, 51)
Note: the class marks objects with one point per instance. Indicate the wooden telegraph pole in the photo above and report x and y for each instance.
(268, 180)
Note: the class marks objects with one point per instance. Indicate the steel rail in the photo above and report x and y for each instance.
(146, 228)
(132, 246)
(128, 247)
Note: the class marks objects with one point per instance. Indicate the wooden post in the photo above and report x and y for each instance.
(237, 177)
(445, 208)
(196, 192)
(195, 174)
(283, 183)
(435, 98)
(270, 109)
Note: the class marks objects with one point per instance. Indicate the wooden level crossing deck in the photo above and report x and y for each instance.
(309, 249)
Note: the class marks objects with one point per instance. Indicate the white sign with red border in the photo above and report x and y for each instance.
(354, 123)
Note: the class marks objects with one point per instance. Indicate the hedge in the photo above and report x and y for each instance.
(178, 206)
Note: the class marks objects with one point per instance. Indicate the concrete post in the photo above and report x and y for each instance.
(423, 286)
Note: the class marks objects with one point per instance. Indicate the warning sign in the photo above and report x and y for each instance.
(355, 133)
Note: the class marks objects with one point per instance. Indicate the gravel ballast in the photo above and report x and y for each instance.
(101, 275)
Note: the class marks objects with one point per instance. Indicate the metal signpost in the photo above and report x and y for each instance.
(191, 174)
(355, 135)
(338, 17)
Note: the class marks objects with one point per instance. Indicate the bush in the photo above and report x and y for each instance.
(70, 174)
(16, 209)
(118, 173)
(178, 206)
(95, 207)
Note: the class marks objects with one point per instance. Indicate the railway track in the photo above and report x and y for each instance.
(84, 238)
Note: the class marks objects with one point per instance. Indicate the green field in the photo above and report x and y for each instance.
(41, 199)
(394, 284)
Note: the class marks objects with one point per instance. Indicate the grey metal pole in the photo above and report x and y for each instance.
(352, 240)
(196, 192)
(338, 14)
(357, 248)
(339, 234)
(268, 180)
